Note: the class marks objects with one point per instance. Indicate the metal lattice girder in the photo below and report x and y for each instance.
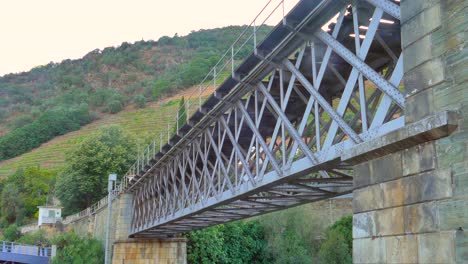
(275, 140)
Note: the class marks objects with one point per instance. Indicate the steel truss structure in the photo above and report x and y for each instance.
(274, 138)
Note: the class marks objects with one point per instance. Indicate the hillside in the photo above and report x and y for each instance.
(143, 123)
(58, 98)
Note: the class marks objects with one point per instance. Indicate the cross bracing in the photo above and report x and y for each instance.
(326, 78)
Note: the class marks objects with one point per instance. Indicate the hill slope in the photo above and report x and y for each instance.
(144, 123)
(58, 98)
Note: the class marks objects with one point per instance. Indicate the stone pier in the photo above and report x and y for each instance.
(411, 204)
(127, 250)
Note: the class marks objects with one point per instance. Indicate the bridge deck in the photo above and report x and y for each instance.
(272, 135)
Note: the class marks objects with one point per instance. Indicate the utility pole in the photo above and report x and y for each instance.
(112, 179)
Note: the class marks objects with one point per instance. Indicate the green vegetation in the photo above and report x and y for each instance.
(338, 245)
(144, 124)
(77, 250)
(50, 124)
(22, 192)
(83, 181)
(290, 236)
(238, 242)
(103, 81)
(71, 248)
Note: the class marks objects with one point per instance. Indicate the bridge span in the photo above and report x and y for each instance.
(272, 135)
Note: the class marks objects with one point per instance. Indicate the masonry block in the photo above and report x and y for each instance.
(432, 185)
(427, 75)
(368, 198)
(453, 214)
(415, 7)
(417, 53)
(401, 249)
(420, 218)
(386, 168)
(389, 221)
(436, 247)
(421, 24)
(364, 225)
(419, 106)
(369, 250)
(393, 193)
(461, 246)
(362, 175)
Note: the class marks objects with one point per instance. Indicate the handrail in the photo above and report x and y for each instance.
(210, 79)
(18, 248)
(194, 99)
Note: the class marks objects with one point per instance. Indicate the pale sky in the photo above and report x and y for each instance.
(35, 32)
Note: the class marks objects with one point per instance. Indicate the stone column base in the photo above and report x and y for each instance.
(146, 251)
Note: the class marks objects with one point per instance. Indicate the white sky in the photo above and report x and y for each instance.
(35, 32)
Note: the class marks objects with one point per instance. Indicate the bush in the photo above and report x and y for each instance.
(37, 238)
(73, 249)
(11, 233)
(114, 106)
(238, 242)
(337, 247)
(293, 235)
(139, 100)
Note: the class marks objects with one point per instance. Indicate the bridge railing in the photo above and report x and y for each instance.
(245, 43)
(17, 248)
(93, 208)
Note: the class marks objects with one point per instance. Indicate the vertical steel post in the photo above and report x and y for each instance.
(199, 97)
(214, 80)
(232, 60)
(160, 141)
(284, 19)
(112, 179)
(177, 122)
(168, 132)
(255, 34)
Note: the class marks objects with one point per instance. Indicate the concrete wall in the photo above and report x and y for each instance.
(412, 206)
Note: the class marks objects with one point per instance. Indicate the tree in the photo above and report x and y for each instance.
(11, 204)
(84, 178)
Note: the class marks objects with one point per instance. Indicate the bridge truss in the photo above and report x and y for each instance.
(271, 137)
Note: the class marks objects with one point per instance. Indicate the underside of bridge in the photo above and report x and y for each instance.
(328, 77)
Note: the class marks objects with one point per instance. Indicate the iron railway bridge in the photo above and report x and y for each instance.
(272, 135)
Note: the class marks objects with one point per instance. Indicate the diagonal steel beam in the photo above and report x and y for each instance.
(365, 69)
(262, 142)
(325, 105)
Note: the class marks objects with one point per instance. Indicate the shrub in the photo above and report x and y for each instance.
(114, 106)
(238, 242)
(11, 233)
(37, 238)
(139, 100)
(337, 247)
(73, 249)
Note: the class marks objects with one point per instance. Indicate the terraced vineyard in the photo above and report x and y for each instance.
(144, 123)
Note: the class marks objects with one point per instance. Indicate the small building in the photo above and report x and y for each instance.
(49, 215)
